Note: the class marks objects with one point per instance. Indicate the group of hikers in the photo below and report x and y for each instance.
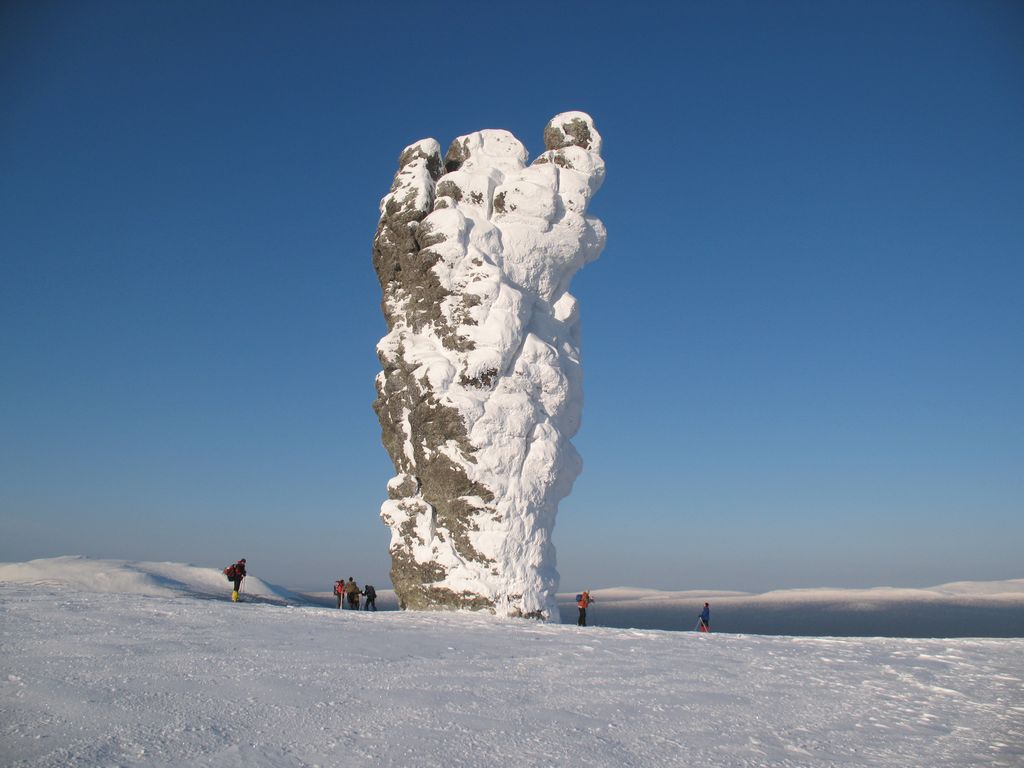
(343, 590)
(348, 591)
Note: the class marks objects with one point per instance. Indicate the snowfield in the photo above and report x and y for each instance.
(102, 666)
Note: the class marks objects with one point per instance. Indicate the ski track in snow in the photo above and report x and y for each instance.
(90, 679)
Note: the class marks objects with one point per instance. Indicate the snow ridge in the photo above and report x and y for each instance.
(139, 578)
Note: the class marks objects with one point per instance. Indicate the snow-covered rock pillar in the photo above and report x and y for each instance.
(481, 389)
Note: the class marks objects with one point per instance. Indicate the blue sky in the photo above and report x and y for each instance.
(803, 346)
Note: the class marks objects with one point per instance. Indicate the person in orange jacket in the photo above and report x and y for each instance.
(584, 601)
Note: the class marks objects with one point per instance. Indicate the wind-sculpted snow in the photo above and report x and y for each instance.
(481, 390)
(142, 578)
(91, 679)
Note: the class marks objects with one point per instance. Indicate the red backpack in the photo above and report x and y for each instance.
(231, 572)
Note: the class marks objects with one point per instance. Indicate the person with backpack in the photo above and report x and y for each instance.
(352, 589)
(371, 597)
(582, 602)
(235, 574)
(704, 620)
(339, 591)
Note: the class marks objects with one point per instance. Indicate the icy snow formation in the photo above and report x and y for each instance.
(481, 390)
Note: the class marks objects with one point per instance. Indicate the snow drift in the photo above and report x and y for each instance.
(140, 578)
(481, 389)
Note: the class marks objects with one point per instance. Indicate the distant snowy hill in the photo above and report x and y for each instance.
(115, 663)
(140, 578)
(160, 579)
(961, 609)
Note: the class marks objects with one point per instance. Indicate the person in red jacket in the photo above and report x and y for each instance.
(339, 591)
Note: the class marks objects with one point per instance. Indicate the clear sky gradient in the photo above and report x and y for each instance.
(803, 346)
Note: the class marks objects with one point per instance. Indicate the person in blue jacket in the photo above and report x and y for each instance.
(705, 619)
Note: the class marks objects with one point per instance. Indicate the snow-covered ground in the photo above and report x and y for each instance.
(106, 663)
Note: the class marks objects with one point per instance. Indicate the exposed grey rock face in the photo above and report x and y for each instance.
(481, 385)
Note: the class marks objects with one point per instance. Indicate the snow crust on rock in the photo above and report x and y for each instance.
(482, 388)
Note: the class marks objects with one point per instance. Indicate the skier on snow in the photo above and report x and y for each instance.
(705, 619)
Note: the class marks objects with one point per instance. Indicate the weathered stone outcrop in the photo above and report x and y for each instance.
(480, 388)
